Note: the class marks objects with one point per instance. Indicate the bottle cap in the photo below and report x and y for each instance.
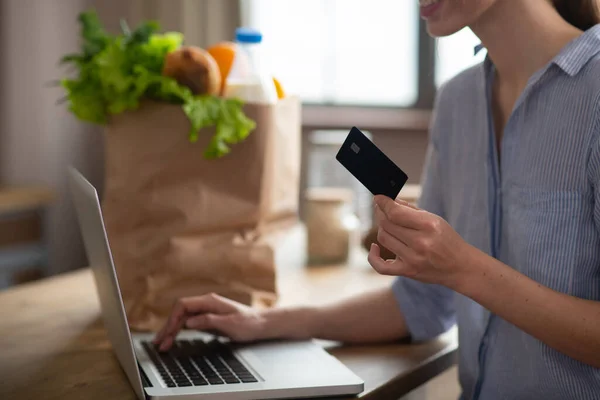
(247, 35)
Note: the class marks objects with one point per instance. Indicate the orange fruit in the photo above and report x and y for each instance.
(279, 88)
(223, 53)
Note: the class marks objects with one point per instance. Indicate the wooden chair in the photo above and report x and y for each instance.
(23, 244)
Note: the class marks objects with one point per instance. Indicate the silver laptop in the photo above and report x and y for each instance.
(201, 366)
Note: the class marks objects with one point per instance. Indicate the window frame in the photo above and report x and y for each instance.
(413, 117)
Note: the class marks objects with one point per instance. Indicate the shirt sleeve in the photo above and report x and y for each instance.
(428, 309)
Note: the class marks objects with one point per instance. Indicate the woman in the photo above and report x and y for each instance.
(506, 242)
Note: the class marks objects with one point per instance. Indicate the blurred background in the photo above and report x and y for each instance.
(359, 63)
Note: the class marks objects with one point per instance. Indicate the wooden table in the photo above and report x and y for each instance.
(53, 344)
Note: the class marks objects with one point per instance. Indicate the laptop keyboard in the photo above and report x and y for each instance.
(198, 363)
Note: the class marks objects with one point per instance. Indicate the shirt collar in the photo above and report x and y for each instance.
(575, 55)
(488, 65)
(478, 48)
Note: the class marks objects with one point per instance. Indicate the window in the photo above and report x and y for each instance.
(456, 53)
(354, 52)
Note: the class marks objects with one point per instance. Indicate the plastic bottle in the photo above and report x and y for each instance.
(249, 78)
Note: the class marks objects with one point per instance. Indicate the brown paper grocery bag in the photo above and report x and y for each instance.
(181, 225)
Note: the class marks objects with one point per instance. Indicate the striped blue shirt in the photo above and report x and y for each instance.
(534, 205)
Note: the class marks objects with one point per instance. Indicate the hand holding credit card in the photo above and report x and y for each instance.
(371, 166)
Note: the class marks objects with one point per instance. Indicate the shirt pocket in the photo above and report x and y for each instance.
(543, 232)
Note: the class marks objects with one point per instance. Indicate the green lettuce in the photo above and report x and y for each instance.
(116, 72)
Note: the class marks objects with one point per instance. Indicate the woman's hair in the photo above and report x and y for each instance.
(581, 13)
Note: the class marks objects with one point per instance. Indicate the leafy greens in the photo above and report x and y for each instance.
(116, 72)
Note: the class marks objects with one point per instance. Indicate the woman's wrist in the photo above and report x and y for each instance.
(291, 322)
(480, 275)
(468, 270)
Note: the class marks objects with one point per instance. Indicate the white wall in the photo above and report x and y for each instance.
(39, 139)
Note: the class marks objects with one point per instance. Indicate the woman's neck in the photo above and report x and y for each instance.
(521, 36)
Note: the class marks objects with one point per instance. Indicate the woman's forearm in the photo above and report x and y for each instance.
(565, 323)
(370, 317)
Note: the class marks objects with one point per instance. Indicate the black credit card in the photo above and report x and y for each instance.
(370, 165)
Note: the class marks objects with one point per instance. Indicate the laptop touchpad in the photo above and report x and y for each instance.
(272, 357)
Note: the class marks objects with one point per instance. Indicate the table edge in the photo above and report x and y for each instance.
(426, 370)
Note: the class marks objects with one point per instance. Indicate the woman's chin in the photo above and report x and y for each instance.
(442, 28)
